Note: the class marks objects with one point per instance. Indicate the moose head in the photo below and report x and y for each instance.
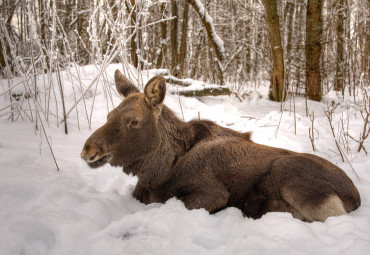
(131, 131)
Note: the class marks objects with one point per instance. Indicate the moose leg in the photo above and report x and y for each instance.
(141, 194)
(147, 196)
(313, 203)
(212, 198)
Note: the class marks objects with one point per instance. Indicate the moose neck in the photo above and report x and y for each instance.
(176, 137)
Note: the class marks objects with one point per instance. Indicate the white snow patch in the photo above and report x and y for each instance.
(84, 211)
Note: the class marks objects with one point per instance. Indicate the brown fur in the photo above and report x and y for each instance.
(208, 166)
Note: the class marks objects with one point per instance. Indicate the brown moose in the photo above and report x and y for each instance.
(208, 166)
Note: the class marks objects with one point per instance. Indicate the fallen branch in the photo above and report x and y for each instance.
(176, 81)
(220, 91)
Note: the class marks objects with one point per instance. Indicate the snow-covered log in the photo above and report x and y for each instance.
(218, 91)
(197, 88)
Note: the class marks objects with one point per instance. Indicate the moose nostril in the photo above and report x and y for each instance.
(91, 151)
(85, 156)
(92, 157)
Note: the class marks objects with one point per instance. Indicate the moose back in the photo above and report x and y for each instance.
(208, 166)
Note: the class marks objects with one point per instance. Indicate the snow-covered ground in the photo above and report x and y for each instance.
(83, 211)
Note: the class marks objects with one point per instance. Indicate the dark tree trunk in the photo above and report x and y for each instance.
(277, 88)
(132, 9)
(163, 37)
(2, 59)
(183, 44)
(313, 49)
(83, 7)
(173, 34)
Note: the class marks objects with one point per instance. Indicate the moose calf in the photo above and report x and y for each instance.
(208, 166)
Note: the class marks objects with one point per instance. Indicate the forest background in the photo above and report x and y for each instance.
(305, 47)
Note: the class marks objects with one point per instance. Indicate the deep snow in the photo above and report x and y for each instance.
(83, 211)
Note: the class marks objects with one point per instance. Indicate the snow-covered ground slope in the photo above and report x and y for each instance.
(83, 211)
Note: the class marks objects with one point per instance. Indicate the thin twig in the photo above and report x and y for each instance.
(329, 114)
(47, 140)
(311, 131)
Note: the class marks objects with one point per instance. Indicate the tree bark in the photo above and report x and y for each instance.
(277, 87)
(44, 32)
(313, 49)
(83, 7)
(366, 65)
(339, 72)
(289, 22)
(173, 35)
(133, 44)
(2, 59)
(162, 46)
(183, 43)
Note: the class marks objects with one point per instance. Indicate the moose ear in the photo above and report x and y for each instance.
(123, 85)
(155, 91)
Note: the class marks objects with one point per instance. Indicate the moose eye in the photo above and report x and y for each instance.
(134, 124)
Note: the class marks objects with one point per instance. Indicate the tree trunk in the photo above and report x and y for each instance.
(173, 34)
(313, 49)
(162, 46)
(83, 7)
(108, 38)
(196, 56)
(366, 57)
(339, 72)
(289, 23)
(277, 87)
(133, 44)
(2, 59)
(44, 32)
(183, 44)
(64, 10)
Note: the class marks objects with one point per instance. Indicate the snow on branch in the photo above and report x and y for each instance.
(207, 21)
(216, 41)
